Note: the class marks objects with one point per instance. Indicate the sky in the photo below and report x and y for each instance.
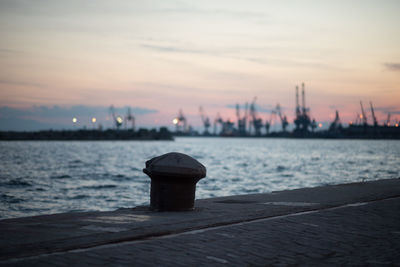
(65, 59)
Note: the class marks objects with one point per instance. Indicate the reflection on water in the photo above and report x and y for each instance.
(52, 177)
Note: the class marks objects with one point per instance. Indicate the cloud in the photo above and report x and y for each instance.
(237, 14)
(336, 107)
(21, 83)
(172, 49)
(293, 63)
(59, 112)
(392, 66)
(9, 51)
(56, 117)
(262, 109)
(212, 51)
(16, 124)
(389, 109)
(123, 8)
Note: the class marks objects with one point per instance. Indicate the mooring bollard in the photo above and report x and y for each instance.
(173, 181)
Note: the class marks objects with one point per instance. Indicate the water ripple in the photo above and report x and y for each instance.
(53, 177)
(16, 182)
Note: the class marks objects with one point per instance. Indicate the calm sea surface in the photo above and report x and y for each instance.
(53, 177)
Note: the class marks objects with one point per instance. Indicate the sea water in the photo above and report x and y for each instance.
(44, 177)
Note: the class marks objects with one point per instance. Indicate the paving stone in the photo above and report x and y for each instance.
(350, 234)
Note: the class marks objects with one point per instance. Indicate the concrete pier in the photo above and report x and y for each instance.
(350, 224)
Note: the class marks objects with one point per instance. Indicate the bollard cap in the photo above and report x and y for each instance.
(175, 165)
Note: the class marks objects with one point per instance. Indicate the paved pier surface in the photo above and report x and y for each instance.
(352, 224)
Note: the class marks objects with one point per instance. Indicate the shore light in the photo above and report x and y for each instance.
(175, 121)
(119, 120)
(320, 125)
(94, 119)
(74, 120)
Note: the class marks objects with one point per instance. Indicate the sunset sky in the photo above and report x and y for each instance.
(72, 58)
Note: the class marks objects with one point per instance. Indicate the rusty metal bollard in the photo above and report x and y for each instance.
(173, 181)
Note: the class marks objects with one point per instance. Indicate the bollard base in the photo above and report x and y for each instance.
(173, 181)
(172, 195)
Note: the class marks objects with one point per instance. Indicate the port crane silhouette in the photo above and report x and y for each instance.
(242, 121)
(117, 119)
(363, 115)
(205, 120)
(255, 121)
(283, 118)
(181, 122)
(373, 114)
(129, 118)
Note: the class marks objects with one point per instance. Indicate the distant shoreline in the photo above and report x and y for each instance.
(348, 133)
(87, 135)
